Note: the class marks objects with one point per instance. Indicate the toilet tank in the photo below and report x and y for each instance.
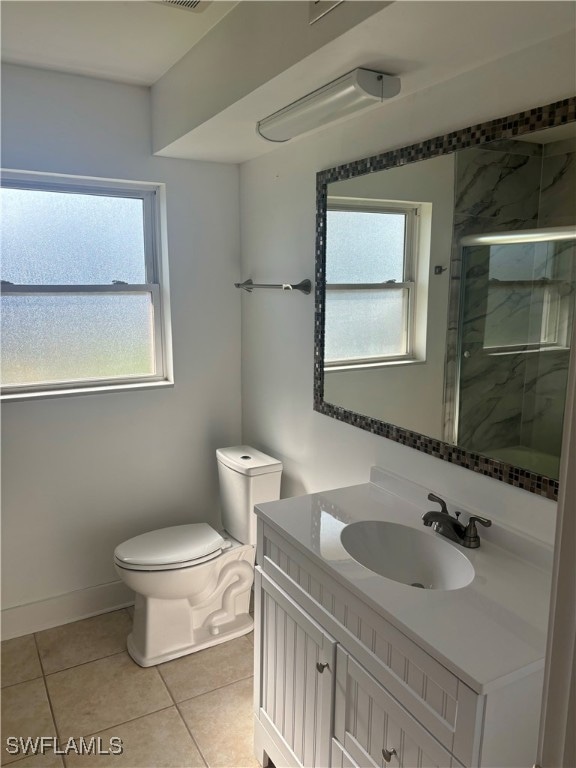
(247, 477)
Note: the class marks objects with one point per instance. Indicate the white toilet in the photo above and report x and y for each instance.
(193, 583)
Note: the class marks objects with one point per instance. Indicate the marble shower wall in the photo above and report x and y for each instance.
(515, 399)
(558, 189)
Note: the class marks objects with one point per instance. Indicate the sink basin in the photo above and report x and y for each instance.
(407, 555)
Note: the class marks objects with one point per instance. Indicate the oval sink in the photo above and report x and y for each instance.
(407, 555)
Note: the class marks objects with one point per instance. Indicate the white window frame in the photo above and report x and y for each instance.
(412, 212)
(156, 285)
(553, 320)
(556, 319)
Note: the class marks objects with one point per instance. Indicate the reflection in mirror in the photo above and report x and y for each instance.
(514, 340)
(368, 286)
(448, 299)
(404, 387)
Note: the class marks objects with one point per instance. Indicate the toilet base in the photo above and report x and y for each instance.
(242, 625)
(181, 611)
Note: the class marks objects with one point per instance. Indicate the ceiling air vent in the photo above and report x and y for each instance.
(196, 6)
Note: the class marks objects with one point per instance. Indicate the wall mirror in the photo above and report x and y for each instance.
(445, 294)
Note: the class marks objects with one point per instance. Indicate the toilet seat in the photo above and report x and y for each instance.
(179, 546)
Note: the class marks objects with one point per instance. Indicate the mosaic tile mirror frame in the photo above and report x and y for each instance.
(497, 150)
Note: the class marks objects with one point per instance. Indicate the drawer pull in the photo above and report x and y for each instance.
(387, 754)
(321, 666)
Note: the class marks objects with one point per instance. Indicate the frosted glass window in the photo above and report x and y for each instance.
(73, 338)
(51, 238)
(81, 298)
(365, 246)
(365, 324)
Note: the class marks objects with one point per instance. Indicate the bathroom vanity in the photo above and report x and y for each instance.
(357, 669)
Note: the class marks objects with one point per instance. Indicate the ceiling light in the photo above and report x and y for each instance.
(354, 91)
(543, 235)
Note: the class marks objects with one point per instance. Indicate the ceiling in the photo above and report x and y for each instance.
(139, 42)
(424, 43)
(129, 41)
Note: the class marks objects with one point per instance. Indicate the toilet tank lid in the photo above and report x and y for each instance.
(177, 544)
(247, 460)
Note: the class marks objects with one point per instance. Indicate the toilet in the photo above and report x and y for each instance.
(193, 583)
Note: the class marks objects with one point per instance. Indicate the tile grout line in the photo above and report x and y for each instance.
(84, 663)
(218, 688)
(189, 730)
(52, 713)
(126, 722)
(13, 685)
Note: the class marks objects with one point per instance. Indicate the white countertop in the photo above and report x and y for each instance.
(488, 633)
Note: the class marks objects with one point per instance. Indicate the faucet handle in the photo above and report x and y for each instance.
(482, 520)
(438, 500)
(471, 538)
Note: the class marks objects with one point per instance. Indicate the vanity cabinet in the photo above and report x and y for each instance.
(320, 706)
(338, 685)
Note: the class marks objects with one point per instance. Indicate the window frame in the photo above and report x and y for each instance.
(156, 285)
(555, 314)
(557, 310)
(412, 213)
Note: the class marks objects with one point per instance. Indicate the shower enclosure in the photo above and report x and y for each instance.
(516, 320)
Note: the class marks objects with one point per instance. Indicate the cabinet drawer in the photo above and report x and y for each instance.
(373, 729)
(444, 705)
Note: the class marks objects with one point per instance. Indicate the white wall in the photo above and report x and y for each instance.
(277, 225)
(83, 473)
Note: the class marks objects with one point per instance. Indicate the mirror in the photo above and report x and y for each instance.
(445, 293)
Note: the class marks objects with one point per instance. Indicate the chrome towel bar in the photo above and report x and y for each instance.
(248, 285)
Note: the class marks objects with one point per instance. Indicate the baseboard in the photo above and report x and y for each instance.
(63, 609)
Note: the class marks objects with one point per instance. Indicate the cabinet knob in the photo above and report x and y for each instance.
(321, 666)
(388, 754)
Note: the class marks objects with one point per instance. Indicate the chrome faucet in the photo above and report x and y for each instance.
(443, 523)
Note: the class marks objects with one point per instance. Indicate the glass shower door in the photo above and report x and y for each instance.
(517, 306)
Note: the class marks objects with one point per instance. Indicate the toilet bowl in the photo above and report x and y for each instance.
(193, 583)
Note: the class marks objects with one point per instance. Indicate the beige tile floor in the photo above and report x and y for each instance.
(78, 681)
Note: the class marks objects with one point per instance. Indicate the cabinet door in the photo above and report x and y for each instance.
(374, 730)
(295, 687)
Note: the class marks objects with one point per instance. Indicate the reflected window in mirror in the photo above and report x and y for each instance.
(527, 293)
(370, 264)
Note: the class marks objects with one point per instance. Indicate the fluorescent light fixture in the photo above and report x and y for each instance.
(543, 235)
(354, 91)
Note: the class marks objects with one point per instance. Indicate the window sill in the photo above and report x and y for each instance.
(369, 366)
(73, 391)
(501, 351)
